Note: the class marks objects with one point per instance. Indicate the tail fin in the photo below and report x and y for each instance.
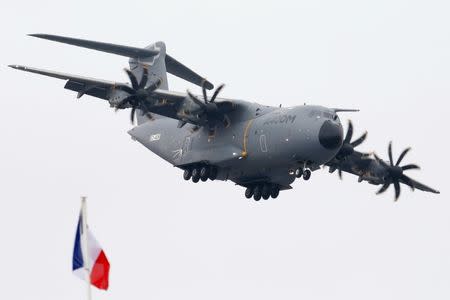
(156, 67)
(156, 64)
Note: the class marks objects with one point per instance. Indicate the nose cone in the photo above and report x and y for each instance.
(330, 135)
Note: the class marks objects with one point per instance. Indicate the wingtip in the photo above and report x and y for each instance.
(14, 66)
(38, 35)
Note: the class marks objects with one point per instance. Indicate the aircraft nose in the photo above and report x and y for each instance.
(330, 135)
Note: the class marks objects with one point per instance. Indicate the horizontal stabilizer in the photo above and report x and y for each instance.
(105, 47)
(173, 66)
(176, 68)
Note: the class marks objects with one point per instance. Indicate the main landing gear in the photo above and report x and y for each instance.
(263, 190)
(202, 172)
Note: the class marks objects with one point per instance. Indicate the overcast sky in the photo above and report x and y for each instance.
(171, 239)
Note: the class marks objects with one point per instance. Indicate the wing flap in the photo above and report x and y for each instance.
(84, 88)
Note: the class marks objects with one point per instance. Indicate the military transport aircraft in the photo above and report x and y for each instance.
(259, 147)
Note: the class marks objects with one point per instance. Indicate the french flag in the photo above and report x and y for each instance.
(97, 264)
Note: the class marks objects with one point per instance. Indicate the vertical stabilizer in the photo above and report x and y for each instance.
(156, 66)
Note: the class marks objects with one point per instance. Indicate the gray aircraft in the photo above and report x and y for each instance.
(259, 147)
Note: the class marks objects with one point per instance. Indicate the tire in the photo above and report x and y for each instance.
(257, 193)
(275, 192)
(249, 192)
(204, 173)
(307, 174)
(187, 174)
(298, 173)
(195, 175)
(213, 173)
(265, 193)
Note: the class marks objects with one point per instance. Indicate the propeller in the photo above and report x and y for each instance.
(395, 174)
(348, 148)
(213, 111)
(138, 93)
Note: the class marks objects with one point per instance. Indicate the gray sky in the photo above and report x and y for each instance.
(171, 239)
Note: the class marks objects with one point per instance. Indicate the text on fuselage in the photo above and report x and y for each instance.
(282, 119)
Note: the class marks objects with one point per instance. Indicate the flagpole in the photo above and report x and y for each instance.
(85, 246)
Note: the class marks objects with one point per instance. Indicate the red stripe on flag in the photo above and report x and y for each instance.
(100, 272)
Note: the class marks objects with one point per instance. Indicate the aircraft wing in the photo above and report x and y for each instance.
(162, 102)
(377, 172)
(83, 85)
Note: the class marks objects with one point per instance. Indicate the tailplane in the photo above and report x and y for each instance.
(153, 57)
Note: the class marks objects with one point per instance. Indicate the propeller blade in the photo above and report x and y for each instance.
(154, 85)
(205, 96)
(216, 92)
(410, 167)
(406, 180)
(126, 88)
(133, 80)
(400, 158)
(349, 134)
(144, 79)
(133, 110)
(390, 153)
(340, 173)
(196, 100)
(358, 141)
(383, 188)
(397, 190)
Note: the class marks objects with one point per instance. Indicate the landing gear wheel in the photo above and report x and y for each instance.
(204, 173)
(249, 192)
(275, 192)
(212, 173)
(195, 175)
(187, 174)
(306, 174)
(298, 173)
(265, 193)
(257, 192)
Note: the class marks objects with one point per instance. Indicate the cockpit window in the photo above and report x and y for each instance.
(314, 113)
(329, 115)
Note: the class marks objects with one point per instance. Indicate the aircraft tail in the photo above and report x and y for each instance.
(135, 54)
(156, 66)
(153, 57)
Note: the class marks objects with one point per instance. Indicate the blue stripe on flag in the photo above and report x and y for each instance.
(77, 260)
